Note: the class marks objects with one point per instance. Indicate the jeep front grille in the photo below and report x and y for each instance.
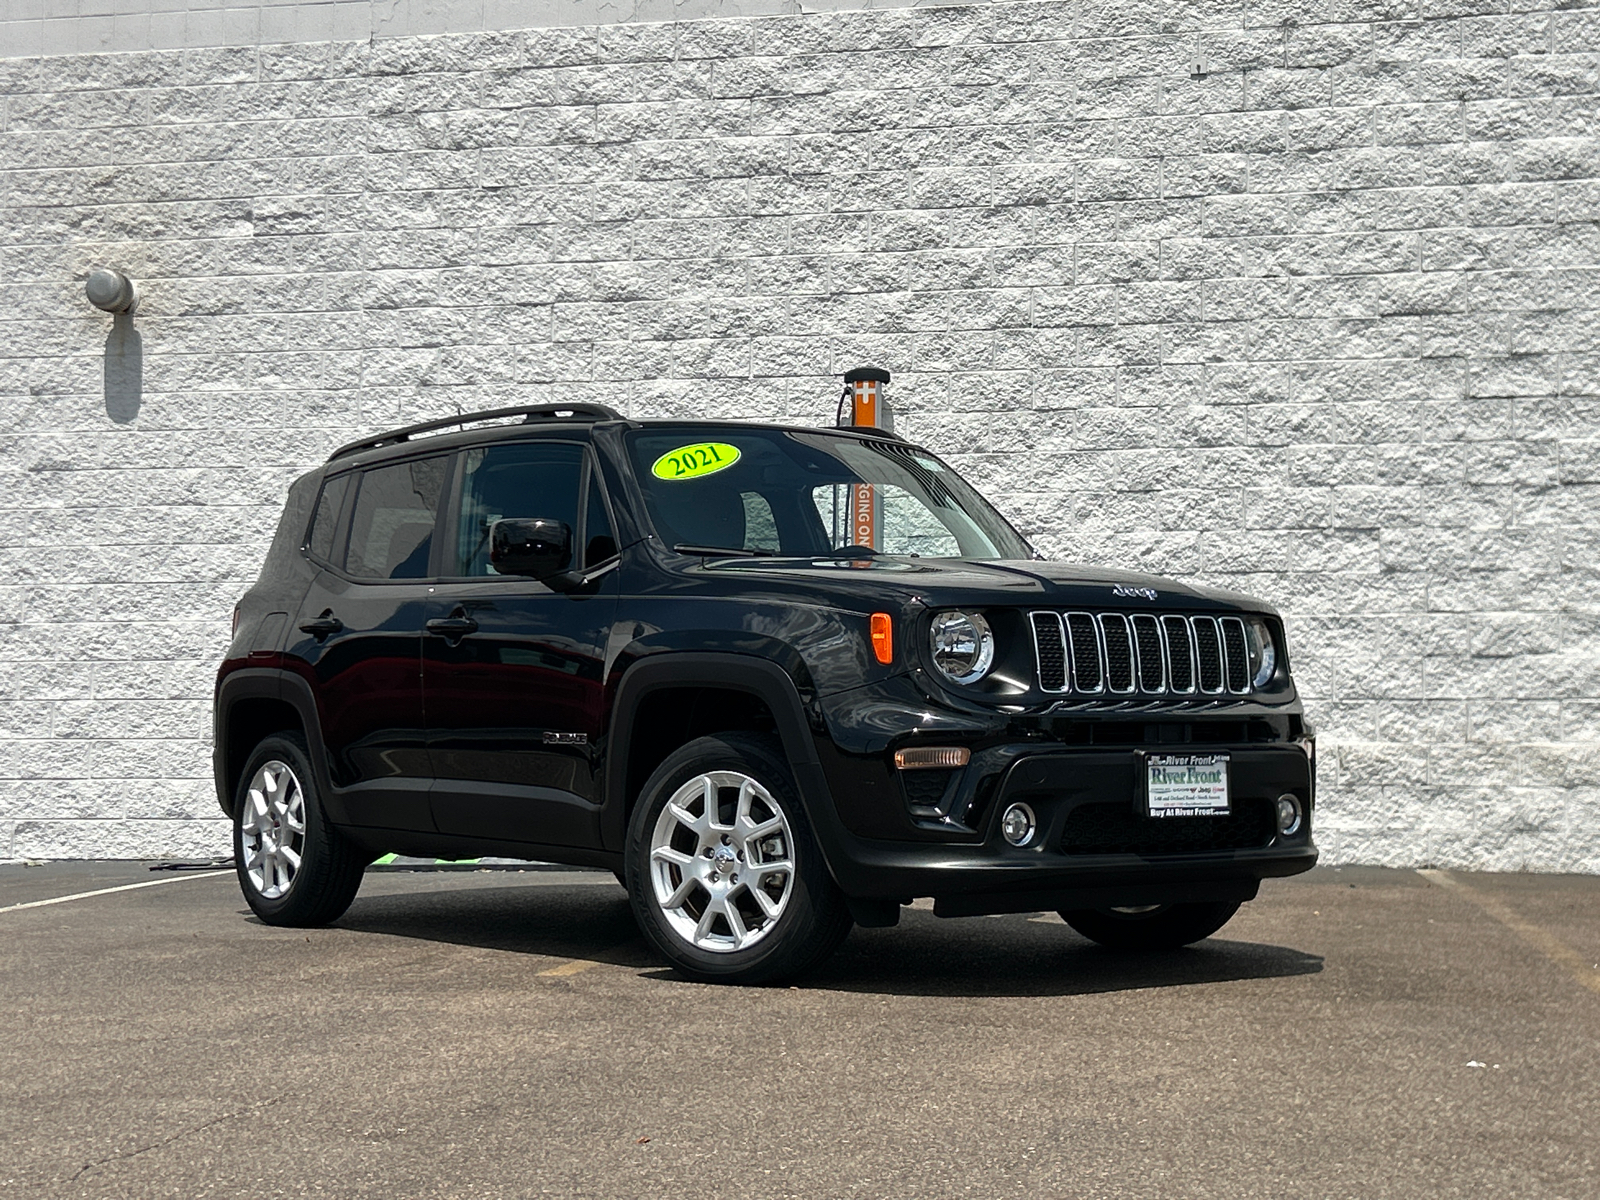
(1118, 651)
(1087, 667)
(1124, 654)
(1051, 651)
(1208, 653)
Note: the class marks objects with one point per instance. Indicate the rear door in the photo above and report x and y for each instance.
(358, 637)
(513, 672)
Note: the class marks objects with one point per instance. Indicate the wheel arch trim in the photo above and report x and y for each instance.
(267, 683)
(759, 677)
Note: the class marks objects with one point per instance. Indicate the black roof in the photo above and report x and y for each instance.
(528, 413)
(575, 413)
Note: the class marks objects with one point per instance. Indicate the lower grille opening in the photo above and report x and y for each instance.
(1154, 733)
(925, 788)
(1117, 829)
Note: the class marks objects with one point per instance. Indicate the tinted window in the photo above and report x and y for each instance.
(524, 479)
(392, 532)
(324, 524)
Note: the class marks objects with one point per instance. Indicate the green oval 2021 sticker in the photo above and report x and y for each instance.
(691, 462)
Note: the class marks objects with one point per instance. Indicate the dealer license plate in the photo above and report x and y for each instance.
(1186, 785)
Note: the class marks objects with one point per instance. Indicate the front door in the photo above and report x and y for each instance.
(513, 672)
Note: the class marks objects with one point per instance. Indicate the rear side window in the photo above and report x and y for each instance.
(324, 524)
(391, 534)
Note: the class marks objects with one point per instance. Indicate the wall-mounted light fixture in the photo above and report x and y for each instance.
(113, 291)
(118, 295)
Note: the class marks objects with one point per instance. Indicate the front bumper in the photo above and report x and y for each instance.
(1094, 847)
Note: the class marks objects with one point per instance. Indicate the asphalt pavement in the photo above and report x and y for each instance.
(1352, 1033)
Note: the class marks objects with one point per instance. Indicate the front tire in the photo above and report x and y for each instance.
(294, 867)
(725, 878)
(1155, 927)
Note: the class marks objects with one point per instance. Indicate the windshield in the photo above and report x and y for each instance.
(773, 491)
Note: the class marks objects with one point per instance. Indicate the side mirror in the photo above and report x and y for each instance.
(535, 546)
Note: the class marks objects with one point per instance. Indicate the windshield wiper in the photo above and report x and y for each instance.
(740, 551)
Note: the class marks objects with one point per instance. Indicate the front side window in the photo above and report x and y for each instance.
(520, 479)
(760, 526)
(391, 534)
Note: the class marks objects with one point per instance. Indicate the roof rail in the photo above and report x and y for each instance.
(528, 413)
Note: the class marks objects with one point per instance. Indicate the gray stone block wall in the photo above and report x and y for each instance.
(1299, 299)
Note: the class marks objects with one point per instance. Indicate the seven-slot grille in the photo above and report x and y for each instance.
(1125, 654)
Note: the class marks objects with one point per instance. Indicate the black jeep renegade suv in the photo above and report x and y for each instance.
(777, 679)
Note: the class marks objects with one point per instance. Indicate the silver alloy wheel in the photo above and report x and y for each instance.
(722, 884)
(273, 829)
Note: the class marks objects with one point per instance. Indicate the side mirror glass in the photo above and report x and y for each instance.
(534, 546)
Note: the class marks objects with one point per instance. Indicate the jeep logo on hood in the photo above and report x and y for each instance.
(1128, 593)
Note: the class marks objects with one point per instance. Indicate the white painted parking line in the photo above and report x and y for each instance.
(127, 887)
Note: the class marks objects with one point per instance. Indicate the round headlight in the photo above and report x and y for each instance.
(1263, 654)
(963, 646)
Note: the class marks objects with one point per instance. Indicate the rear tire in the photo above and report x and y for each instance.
(725, 878)
(294, 867)
(1162, 927)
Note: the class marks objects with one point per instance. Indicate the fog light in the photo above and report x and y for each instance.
(1290, 814)
(1017, 824)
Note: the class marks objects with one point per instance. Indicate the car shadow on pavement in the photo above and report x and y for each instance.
(591, 921)
(1034, 954)
(1016, 955)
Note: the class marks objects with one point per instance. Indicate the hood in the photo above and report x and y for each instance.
(948, 581)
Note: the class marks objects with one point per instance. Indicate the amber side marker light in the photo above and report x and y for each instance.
(883, 637)
(920, 758)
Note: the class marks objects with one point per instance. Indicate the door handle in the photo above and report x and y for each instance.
(321, 627)
(453, 628)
